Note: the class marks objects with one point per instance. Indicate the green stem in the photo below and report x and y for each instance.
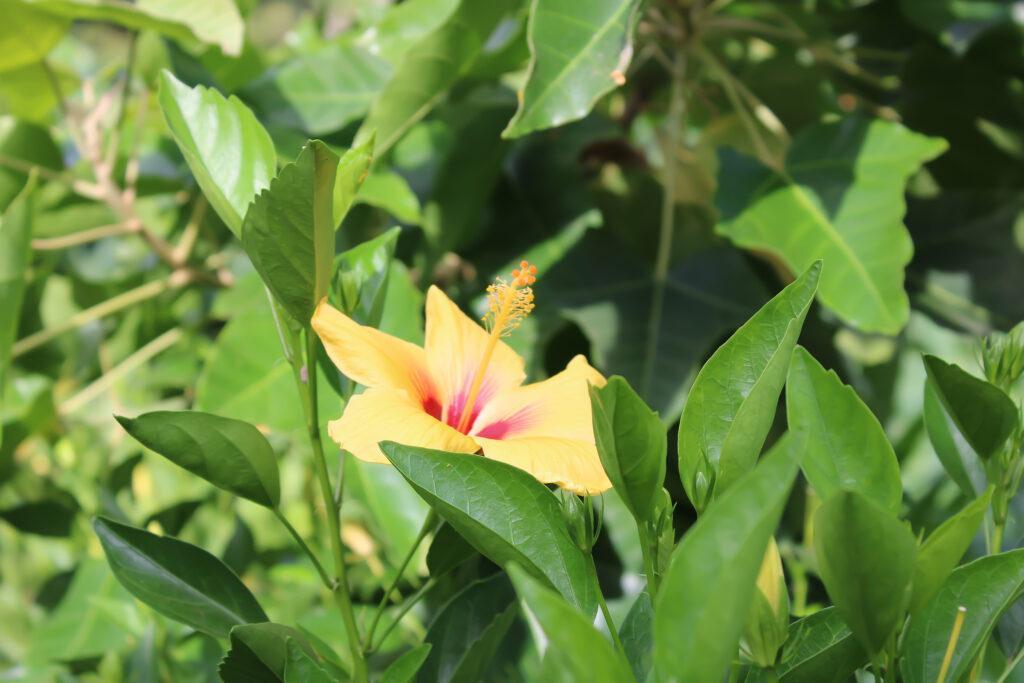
(997, 538)
(409, 603)
(604, 608)
(646, 550)
(339, 589)
(428, 525)
(305, 548)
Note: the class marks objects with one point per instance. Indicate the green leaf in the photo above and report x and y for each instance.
(319, 92)
(288, 231)
(404, 24)
(430, 68)
(177, 579)
(866, 560)
(579, 650)
(15, 254)
(228, 151)
(44, 518)
(301, 667)
(28, 34)
(985, 588)
(353, 169)
(839, 199)
(942, 434)
(259, 652)
(212, 22)
(468, 630)
(820, 649)
(404, 669)
(503, 512)
(705, 595)
(447, 551)
(981, 411)
(939, 555)
(845, 446)
(579, 52)
(230, 454)
(391, 192)
(31, 144)
(631, 443)
(958, 23)
(731, 406)
(637, 636)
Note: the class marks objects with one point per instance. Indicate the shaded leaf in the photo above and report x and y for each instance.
(943, 435)
(447, 551)
(820, 649)
(15, 253)
(29, 143)
(404, 669)
(259, 652)
(300, 666)
(637, 636)
(360, 282)
(44, 518)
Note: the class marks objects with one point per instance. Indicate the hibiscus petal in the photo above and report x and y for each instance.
(387, 415)
(371, 357)
(455, 345)
(559, 406)
(570, 463)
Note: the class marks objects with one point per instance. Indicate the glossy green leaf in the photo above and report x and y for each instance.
(957, 460)
(360, 283)
(985, 588)
(468, 630)
(28, 34)
(15, 254)
(839, 199)
(430, 68)
(404, 669)
(503, 512)
(230, 454)
(212, 22)
(288, 231)
(578, 650)
(631, 443)
(866, 560)
(845, 446)
(447, 551)
(705, 595)
(320, 92)
(259, 652)
(731, 406)
(579, 52)
(637, 636)
(942, 551)
(353, 169)
(820, 649)
(177, 579)
(228, 151)
(981, 411)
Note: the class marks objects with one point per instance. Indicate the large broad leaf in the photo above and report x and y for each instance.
(503, 512)
(213, 22)
(430, 68)
(177, 579)
(866, 559)
(320, 92)
(839, 199)
(981, 411)
(301, 667)
(228, 151)
(631, 443)
(985, 588)
(468, 631)
(288, 231)
(580, 51)
(230, 454)
(705, 595)
(569, 640)
(845, 446)
(15, 238)
(951, 448)
(943, 549)
(731, 406)
(820, 649)
(27, 34)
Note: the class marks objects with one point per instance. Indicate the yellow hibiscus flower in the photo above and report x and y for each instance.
(463, 391)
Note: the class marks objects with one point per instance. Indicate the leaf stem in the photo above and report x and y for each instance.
(604, 609)
(645, 549)
(409, 603)
(429, 524)
(340, 588)
(305, 548)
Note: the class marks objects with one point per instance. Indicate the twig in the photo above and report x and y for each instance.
(81, 187)
(82, 237)
(188, 236)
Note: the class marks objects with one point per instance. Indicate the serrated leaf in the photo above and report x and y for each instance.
(704, 598)
(228, 151)
(820, 649)
(579, 52)
(985, 588)
(845, 446)
(838, 199)
(230, 454)
(503, 512)
(731, 406)
(177, 579)
(866, 560)
(981, 411)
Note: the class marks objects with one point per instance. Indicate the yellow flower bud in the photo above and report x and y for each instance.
(768, 621)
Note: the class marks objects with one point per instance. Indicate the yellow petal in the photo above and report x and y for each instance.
(559, 406)
(570, 463)
(387, 415)
(455, 346)
(371, 357)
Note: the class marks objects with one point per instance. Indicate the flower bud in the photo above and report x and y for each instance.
(768, 621)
